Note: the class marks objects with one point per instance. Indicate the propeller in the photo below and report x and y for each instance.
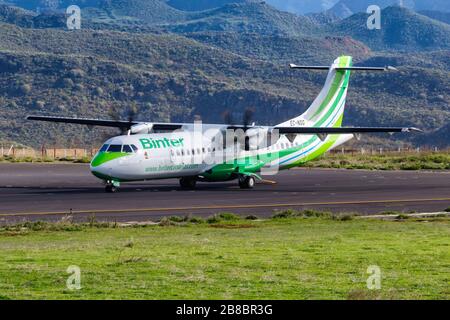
(117, 113)
(246, 121)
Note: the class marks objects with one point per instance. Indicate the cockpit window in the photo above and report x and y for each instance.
(115, 148)
(135, 149)
(127, 149)
(104, 148)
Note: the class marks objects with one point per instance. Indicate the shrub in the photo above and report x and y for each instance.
(285, 214)
(177, 219)
(229, 216)
(343, 217)
(166, 222)
(196, 220)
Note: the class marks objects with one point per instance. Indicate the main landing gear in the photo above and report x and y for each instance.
(247, 182)
(188, 183)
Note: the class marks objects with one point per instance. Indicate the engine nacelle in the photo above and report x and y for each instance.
(141, 128)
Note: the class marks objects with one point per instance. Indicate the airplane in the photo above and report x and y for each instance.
(193, 152)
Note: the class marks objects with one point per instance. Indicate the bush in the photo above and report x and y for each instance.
(343, 217)
(285, 214)
(166, 222)
(196, 220)
(229, 216)
(177, 219)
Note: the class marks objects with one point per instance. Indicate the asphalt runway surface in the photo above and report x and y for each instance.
(30, 192)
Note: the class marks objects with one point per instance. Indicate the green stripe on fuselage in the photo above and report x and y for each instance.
(104, 157)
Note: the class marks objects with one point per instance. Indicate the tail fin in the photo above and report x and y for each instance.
(327, 110)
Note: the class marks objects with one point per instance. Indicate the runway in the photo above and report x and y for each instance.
(30, 192)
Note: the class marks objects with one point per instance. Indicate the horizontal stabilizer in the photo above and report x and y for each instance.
(341, 130)
(387, 68)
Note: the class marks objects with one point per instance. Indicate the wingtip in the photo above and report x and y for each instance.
(413, 129)
(390, 68)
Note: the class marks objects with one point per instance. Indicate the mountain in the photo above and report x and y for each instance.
(30, 19)
(257, 17)
(437, 15)
(169, 77)
(401, 29)
(302, 6)
(232, 57)
(281, 49)
(346, 8)
(437, 138)
(200, 5)
(150, 11)
(56, 4)
(324, 18)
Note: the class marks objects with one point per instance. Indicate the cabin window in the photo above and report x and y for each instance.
(115, 148)
(104, 148)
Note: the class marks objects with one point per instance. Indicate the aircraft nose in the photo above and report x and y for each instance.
(99, 166)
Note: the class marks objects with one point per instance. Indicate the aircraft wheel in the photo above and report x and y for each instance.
(247, 182)
(110, 188)
(188, 183)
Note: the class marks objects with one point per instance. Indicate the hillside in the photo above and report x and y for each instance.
(282, 49)
(401, 29)
(172, 78)
(229, 58)
(256, 17)
(200, 5)
(150, 11)
(437, 15)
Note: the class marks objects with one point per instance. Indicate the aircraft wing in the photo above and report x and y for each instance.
(122, 124)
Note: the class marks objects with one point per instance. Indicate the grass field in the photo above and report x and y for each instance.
(388, 161)
(282, 258)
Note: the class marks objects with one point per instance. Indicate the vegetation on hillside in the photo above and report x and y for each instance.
(100, 71)
(401, 29)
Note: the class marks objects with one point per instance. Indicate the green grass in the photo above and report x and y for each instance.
(391, 161)
(10, 159)
(297, 256)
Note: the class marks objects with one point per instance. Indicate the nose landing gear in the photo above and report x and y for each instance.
(111, 186)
